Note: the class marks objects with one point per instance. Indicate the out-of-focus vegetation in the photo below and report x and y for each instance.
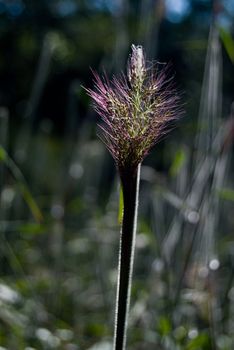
(59, 188)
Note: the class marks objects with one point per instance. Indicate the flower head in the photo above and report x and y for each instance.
(136, 110)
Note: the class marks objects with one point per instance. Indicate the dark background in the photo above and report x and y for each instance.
(59, 186)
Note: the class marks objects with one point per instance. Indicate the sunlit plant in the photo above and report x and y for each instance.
(136, 110)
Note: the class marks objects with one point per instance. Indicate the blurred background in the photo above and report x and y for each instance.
(59, 189)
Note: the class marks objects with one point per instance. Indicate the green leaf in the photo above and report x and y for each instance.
(31, 228)
(96, 329)
(227, 194)
(164, 326)
(2, 154)
(30, 202)
(178, 162)
(201, 342)
(21, 184)
(121, 205)
(228, 42)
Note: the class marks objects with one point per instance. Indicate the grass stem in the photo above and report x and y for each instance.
(130, 179)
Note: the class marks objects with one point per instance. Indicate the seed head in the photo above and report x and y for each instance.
(136, 66)
(136, 110)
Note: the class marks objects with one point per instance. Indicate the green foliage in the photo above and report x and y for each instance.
(228, 42)
(120, 216)
(201, 342)
(178, 162)
(227, 194)
(164, 326)
(21, 184)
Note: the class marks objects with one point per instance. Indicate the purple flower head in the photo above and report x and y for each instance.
(136, 110)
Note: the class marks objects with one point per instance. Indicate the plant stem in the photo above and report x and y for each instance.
(130, 179)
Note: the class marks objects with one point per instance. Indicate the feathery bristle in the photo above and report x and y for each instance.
(136, 110)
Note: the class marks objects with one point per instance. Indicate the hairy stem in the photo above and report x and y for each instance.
(130, 179)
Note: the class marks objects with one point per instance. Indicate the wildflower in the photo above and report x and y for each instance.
(136, 109)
